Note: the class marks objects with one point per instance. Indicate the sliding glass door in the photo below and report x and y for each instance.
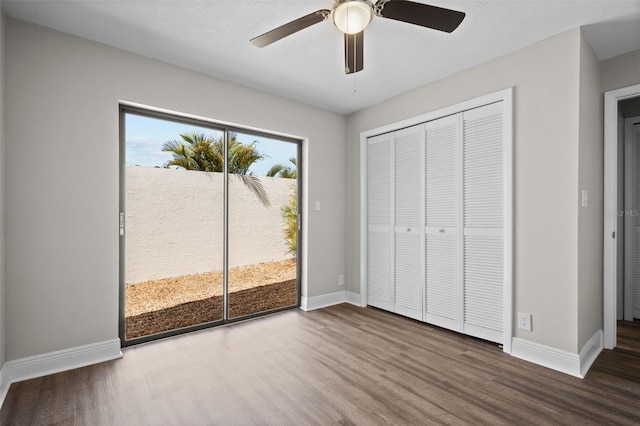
(263, 224)
(208, 224)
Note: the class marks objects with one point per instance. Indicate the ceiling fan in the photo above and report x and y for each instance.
(352, 17)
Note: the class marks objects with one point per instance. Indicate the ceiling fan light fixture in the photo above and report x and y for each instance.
(352, 16)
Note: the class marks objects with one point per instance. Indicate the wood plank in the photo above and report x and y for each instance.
(338, 365)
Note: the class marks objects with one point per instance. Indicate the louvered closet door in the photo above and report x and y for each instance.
(483, 194)
(408, 171)
(380, 291)
(442, 277)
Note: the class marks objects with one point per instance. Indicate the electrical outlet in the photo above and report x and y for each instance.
(524, 321)
(340, 279)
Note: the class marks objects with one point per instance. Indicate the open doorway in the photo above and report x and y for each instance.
(628, 291)
(208, 224)
(622, 219)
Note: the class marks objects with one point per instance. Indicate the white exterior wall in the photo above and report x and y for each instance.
(174, 223)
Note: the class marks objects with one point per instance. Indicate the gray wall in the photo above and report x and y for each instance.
(621, 71)
(591, 179)
(61, 137)
(546, 79)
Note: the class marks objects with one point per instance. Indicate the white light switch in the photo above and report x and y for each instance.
(317, 206)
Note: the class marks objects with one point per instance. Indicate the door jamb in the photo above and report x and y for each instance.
(610, 254)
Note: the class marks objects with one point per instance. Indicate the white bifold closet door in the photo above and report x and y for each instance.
(380, 285)
(435, 239)
(483, 221)
(443, 273)
(464, 204)
(408, 212)
(394, 209)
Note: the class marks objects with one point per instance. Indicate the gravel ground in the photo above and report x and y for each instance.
(161, 305)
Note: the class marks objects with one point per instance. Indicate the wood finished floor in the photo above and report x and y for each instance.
(628, 337)
(341, 365)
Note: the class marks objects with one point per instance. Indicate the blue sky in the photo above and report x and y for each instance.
(145, 136)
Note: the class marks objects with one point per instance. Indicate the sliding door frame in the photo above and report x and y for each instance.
(226, 129)
(505, 96)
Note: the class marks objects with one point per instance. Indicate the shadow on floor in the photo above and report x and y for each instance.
(241, 303)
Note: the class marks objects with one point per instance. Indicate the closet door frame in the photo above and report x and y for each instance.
(506, 96)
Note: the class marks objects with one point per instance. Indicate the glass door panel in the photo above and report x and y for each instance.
(262, 224)
(172, 201)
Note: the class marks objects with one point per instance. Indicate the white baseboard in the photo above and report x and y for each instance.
(576, 365)
(4, 386)
(55, 362)
(590, 352)
(353, 298)
(317, 302)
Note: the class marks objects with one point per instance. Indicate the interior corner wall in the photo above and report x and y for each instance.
(621, 71)
(61, 133)
(590, 179)
(546, 93)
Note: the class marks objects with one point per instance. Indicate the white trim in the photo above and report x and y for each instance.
(610, 254)
(501, 95)
(325, 300)
(56, 362)
(576, 365)
(546, 356)
(506, 96)
(4, 386)
(322, 301)
(590, 352)
(507, 290)
(353, 298)
(364, 295)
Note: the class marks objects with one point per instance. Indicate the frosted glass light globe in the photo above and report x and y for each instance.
(352, 16)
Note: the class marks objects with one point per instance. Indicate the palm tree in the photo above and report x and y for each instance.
(289, 211)
(203, 153)
(278, 170)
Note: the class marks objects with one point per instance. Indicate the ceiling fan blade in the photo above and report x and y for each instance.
(290, 28)
(353, 52)
(424, 15)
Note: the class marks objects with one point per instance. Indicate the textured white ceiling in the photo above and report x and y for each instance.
(212, 37)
